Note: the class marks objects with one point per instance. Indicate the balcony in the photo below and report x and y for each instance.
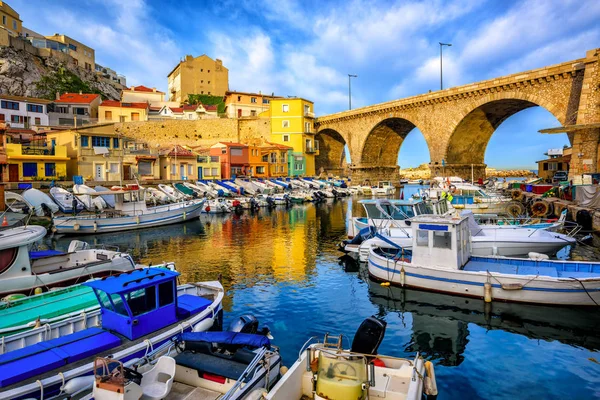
(37, 150)
(308, 132)
(309, 114)
(311, 150)
(144, 152)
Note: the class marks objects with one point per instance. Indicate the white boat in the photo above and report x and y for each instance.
(384, 188)
(143, 313)
(16, 203)
(129, 215)
(217, 206)
(466, 196)
(25, 270)
(440, 259)
(170, 191)
(89, 197)
(156, 196)
(64, 199)
(40, 202)
(274, 187)
(108, 198)
(208, 190)
(327, 371)
(249, 187)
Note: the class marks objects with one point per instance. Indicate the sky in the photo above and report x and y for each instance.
(307, 48)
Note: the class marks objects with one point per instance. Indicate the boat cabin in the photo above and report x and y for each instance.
(139, 302)
(440, 241)
(402, 209)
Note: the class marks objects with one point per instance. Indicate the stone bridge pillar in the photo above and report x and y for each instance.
(374, 174)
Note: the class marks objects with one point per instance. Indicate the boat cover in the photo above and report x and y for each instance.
(234, 338)
(188, 304)
(44, 253)
(42, 357)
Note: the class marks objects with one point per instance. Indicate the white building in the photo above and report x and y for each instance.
(23, 112)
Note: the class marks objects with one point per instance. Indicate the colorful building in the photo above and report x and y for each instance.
(10, 19)
(117, 111)
(209, 167)
(242, 104)
(74, 109)
(278, 156)
(292, 124)
(34, 159)
(143, 94)
(23, 112)
(178, 163)
(234, 157)
(558, 160)
(199, 75)
(258, 162)
(3, 164)
(84, 56)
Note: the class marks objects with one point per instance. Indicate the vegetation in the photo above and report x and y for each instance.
(63, 81)
(208, 100)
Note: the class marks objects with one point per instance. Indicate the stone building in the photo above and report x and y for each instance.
(242, 104)
(10, 19)
(200, 75)
(83, 55)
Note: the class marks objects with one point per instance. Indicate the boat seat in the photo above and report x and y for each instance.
(211, 364)
(36, 359)
(188, 304)
(506, 268)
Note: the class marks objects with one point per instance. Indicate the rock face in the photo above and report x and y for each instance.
(21, 70)
(423, 172)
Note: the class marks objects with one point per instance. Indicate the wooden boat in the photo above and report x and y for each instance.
(23, 271)
(129, 215)
(326, 371)
(440, 259)
(140, 311)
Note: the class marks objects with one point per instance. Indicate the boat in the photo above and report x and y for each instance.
(106, 195)
(327, 371)
(155, 196)
(141, 311)
(40, 202)
(23, 270)
(207, 189)
(384, 188)
(218, 206)
(65, 200)
(466, 196)
(239, 363)
(129, 215)
(173, 194)
(440, 259)
(185, 190)
(89, 197)
(14, 202)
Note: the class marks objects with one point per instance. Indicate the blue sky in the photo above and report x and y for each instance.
(307, 47)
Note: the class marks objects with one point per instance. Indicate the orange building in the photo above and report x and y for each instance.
(259, 164)
(277, 156)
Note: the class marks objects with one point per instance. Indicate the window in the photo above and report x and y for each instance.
(85, 142)
(104, 299)
(50, 169)
(422, 238)
(9, 105)
(142, 300)
(189, 170)
(265, 101)
(72, 47)
(4, 20)
(236, 151)
(286, 138)
(14, 119)
(224, 150)
(173, 169)
(79, 111)
(239, 98)
(145, 168)
(14, 24)
(260, 170)
(29, 169)
(62, 110)
(201, 81)
(253, 113)
(115, 143)
(552, 166)
(308, 145)
(135, 116)
(285, 123)
(38, 121)
(307, 127)
(35, 108)
(285, 108)
(113, 168)
(100, 141)
(108, 115)
(121, 118)
(208, 71)
(252, 99)
(442, 240)
(299, 167)
(166, 293)
(201, 70)
(213, 171)
(208, 92)
(306, 109)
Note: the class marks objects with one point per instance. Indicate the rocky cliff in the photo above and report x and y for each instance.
(423, 172)
(21, 71)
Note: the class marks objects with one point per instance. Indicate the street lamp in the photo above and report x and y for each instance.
(441, 79)
(350, 90)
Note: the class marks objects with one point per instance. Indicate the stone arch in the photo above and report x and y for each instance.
(478, 122)
(331, 157)
(382, 144)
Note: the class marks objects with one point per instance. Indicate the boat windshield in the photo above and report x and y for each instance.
(400, 212)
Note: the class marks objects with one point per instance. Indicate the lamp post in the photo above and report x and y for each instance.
(441, 76)
(350, 90)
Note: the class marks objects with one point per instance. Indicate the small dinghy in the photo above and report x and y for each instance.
(64, 199)
(109, 199)
(327, 371)
(16, 203)
(89, 197)
(156, 196)
(40, 202)
(173, 194)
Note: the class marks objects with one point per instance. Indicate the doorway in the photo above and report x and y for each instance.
(99, 172)
(127, 172)
(182, 171)
(13, 173)
(200, 173)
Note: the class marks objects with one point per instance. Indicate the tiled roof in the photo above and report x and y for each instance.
(178, 151)
(189, 107)
(230, 144)
(115, 103)
(210, 107)
(85, 98)
(280, 146)
(176, 109)
(143, 88)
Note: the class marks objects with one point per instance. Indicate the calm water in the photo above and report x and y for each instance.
(283, 267)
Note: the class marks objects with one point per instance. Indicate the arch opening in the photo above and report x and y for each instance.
(332, 155)
(383, 143)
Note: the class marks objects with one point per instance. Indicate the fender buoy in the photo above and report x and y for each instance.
(207, 209)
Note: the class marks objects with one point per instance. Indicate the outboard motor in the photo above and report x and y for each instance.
(335, 193)
(254, 204)
(220, 192)
(237, 206)
(369, 335)
(246, 323)
(270, 201)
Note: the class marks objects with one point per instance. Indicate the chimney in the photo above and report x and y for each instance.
(133, 88)
(57, 95)
(80, 92)
(154, 89)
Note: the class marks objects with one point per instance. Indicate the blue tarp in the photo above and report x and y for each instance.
(44, 253)
(242, 339)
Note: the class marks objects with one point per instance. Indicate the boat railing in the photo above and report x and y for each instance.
(102, 246)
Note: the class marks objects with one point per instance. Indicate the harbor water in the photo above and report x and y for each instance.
(283, 266)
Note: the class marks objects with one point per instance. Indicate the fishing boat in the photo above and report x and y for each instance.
(327, 371)
(218, 206)
(65, 200)
(384, 188)
(440, 259)
(41, 202)
(22, 270)
(239, 363)
(89, 197)
(133, 214)
(141, 310)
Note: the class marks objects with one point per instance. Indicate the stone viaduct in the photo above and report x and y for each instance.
(457, 123)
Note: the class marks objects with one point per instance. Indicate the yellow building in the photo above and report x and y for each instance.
(242, 104)
(116, 111)
(277, 156)
(98, 153)
(292, 124)
(143, 94)
(178, 163)
(36, 161)
(209, 167)
(83, 55)
(10, 19)
(200, 75)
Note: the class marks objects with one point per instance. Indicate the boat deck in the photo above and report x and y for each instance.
(552, 269)
(182, 391)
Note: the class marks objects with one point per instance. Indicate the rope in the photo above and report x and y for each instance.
(148, 346)
(41, 389)
(502, 284)
(62, 378)
(586, 292)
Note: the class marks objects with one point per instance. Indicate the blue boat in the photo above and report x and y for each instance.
(141, 310)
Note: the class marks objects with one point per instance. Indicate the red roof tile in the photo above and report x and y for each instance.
(280, 146)
(210, 107)
(115, 103)
(178, 151)
(85, 98)
(142, 88)
(230, 144)
(176, 109)
(189, 107)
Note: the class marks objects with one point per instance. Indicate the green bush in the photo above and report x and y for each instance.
(63, 81)
(208, 100)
